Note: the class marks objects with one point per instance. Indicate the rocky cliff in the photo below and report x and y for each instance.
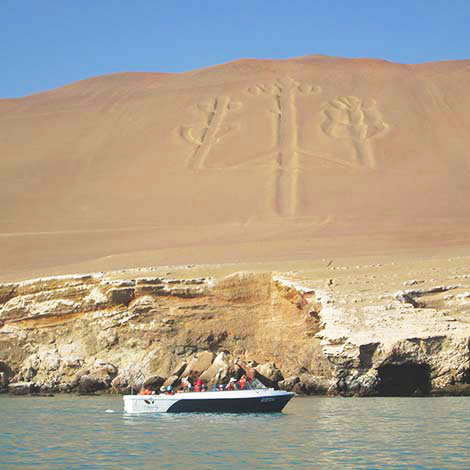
(346, 331)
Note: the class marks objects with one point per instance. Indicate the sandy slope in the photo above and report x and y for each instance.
(247, 161)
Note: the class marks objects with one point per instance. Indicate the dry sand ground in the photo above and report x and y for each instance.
(255, 163)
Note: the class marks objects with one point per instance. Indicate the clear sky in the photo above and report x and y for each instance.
(48, 43)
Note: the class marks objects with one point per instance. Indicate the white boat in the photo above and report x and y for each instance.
(237, 401)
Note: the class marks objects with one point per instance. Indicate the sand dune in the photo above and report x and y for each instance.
(247, 161)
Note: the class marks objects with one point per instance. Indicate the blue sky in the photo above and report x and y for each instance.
(49, 43)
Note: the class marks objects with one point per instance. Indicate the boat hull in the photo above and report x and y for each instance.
(250, 401)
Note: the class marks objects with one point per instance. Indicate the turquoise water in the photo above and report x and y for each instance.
(70, 432)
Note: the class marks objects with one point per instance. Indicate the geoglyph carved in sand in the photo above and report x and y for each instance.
(208, 135)
(348, 117)
(287, 165)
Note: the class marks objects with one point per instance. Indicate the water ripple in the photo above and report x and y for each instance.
(313, 433)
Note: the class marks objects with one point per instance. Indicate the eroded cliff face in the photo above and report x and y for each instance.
(111, 331)
(59, 329)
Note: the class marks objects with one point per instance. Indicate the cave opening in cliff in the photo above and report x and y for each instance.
(404, 380)
(466, 377)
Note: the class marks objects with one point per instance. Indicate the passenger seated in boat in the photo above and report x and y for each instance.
(169, 390)
(145, 391)
(198, 386)
(231, 384)
(187, 386)
(221, 387)
(162, 390)
(242, 382)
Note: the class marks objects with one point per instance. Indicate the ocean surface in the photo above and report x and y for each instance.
(70, 432)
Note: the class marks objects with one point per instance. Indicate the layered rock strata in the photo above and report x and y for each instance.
(117, 331)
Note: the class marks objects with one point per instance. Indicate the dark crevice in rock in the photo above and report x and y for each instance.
(366, 355)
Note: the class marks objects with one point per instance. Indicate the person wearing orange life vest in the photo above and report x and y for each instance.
(198, 386)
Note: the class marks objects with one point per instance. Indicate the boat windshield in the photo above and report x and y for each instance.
(254, 384)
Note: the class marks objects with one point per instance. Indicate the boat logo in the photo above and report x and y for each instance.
(267, 400)
(151, 403)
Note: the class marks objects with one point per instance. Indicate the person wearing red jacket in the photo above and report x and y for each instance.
(242, 382)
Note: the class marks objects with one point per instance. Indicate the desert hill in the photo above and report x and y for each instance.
(252, 160)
